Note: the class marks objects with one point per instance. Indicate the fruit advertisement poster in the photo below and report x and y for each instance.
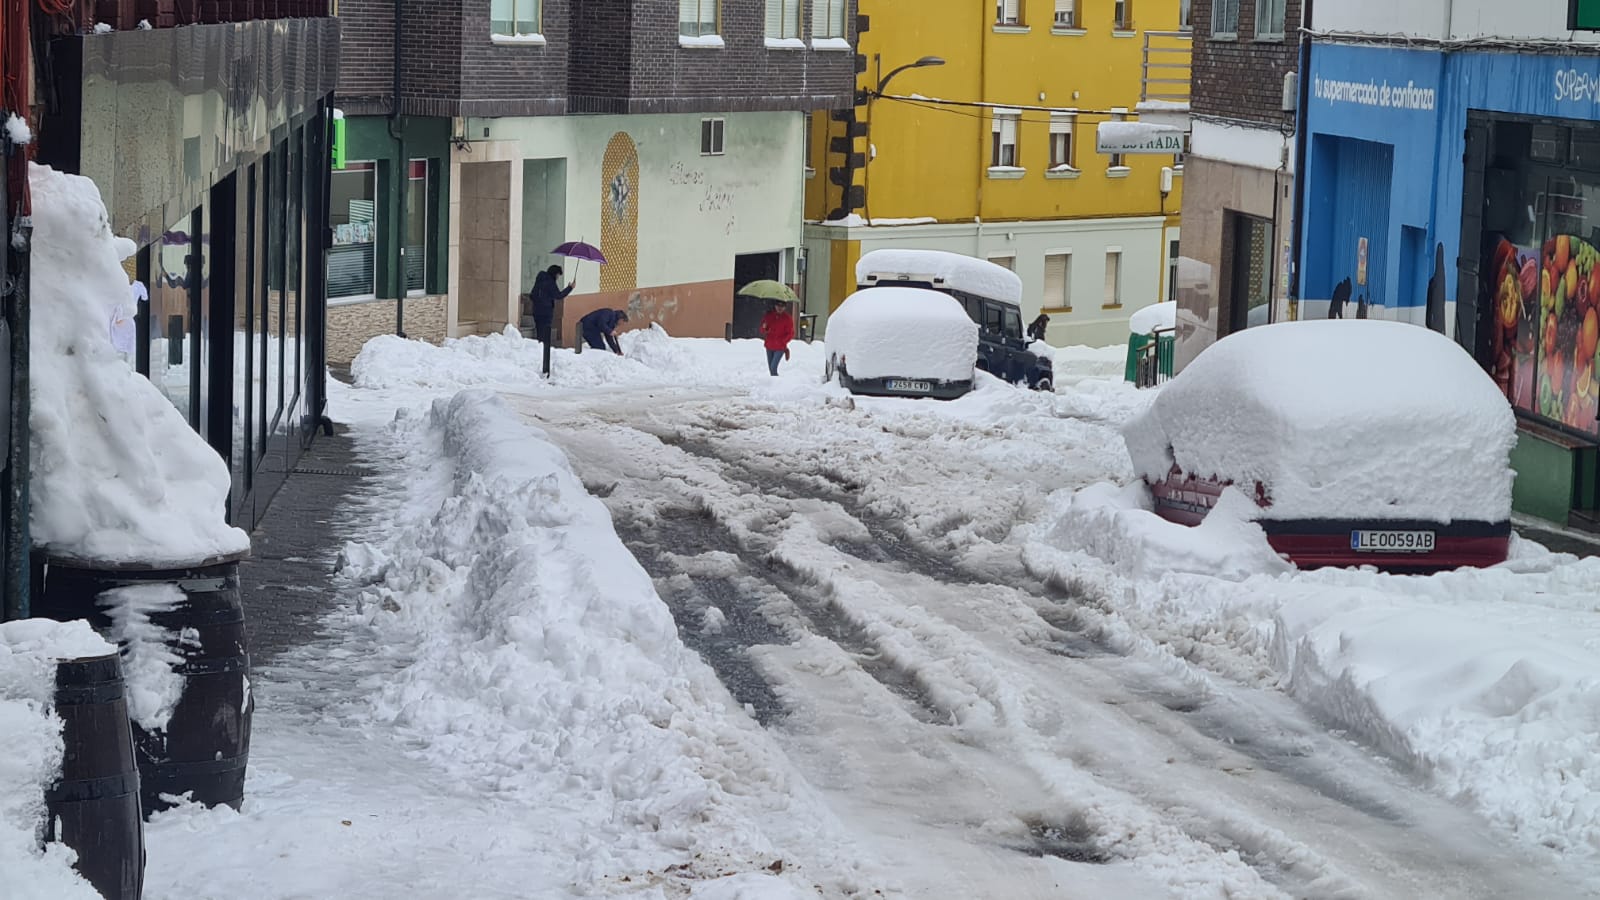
(1545, 339)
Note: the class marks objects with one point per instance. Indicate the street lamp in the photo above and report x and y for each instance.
(883, 82)
(919, 64)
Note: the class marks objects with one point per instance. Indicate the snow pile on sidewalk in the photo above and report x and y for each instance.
(1339, 419)
(547, 670)
(510, 361)
(30, 755)
(118, 475)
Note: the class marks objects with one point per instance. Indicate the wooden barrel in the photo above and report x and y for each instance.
(204, 748)
(94, 807)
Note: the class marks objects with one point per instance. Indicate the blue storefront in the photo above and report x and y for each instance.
(1461, 191)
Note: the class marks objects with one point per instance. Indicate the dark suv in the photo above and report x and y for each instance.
(1002, 347)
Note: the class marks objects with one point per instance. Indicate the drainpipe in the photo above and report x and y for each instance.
(1298, 231)
(402, 177)
(984, 138)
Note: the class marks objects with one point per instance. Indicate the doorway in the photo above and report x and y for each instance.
(747, 312)
(1250, 270)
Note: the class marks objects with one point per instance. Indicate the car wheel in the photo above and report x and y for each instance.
(1044, 385)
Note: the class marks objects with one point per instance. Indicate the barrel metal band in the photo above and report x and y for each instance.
(81, 789)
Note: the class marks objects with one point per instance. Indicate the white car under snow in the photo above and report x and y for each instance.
(902, 342)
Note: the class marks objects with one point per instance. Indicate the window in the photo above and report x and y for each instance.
(1122, 15)
(1185, 22)
(1057, 275)
(1007, 262)
(827, 18)
(1066, 14)
(352, 213)
(1005, 140)
(514, 18)
(1269, 18)
(1061, 142)
(1225, 18)
(1007, 12)
(711, 135)
(416, 246)
(1118, 160)
(783, 19)
(806, 142)
(698, 18)
(1113, 278)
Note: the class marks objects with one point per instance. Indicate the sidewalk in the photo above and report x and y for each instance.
(286, 584)
(1558, 539)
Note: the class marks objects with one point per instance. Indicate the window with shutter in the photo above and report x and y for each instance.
(1066, 14)
(1008, 12)
(783, 19)
(1004, 148)
(1113, 278)
(827, 18)
(1225, 19)
(1061, 150)
(1056, 269)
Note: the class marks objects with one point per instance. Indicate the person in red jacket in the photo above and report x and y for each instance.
(777, 327)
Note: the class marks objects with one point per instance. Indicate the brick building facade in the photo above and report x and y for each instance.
(1238, 207)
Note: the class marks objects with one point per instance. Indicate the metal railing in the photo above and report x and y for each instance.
(1167, 71)
(1152, 363)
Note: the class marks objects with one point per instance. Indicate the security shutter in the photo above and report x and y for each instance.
(1113, 278)
(1055, 281)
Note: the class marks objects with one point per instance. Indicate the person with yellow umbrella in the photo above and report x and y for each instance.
(777, 326)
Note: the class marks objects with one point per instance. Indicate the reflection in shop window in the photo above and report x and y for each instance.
(352, 260)
(416, 248)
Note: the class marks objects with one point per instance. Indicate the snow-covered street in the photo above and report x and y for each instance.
(666, 627)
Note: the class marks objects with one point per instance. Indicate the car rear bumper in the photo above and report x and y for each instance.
(1312, 544)
(938, 390)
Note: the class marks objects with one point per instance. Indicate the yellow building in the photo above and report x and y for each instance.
(992, 152)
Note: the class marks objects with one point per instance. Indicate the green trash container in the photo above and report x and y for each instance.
(1136, 345)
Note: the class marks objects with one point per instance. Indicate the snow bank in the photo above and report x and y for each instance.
(941, 268)
(905, 333)
(1154, 316)
(118, 475)
(508, 360)
(1339, 419)
(546, 669)
(30, 755)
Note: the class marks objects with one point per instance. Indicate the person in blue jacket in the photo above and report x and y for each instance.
(599, 329)
(546, 291)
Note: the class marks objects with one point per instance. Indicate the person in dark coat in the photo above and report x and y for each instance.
(1361, 306)
(1037, 328)
(1341, 296)
(599, 329)
(777, 330)
(546, 291)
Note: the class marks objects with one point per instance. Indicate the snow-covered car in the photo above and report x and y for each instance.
(1362, 442)
(902, 342)
(991, 295)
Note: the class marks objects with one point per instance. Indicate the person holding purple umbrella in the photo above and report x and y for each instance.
(546, 291)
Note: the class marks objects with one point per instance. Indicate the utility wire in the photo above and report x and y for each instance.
(1021, 107)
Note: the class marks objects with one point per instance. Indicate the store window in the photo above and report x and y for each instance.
(352, 213)
(417, 218)
(1541, 243)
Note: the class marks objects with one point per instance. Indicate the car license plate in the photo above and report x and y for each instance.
(1392, 541)
(920, 387)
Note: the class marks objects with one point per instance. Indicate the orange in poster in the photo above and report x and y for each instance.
(1589, 338)
(1563, 252)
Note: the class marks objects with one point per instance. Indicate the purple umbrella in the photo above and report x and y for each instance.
(580, 250)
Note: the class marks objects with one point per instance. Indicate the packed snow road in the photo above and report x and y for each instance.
(853, 574)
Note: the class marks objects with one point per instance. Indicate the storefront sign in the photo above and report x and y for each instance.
(1138, 138)
(1583, 15)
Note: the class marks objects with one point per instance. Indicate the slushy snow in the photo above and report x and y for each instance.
(902, 332)
(1338, 420)
(118, 475)
(941, 268)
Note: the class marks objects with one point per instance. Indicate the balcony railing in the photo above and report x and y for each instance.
(124, 14)
(1166, 66)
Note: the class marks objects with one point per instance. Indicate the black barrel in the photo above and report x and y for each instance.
(206, 744)
(94, 808)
